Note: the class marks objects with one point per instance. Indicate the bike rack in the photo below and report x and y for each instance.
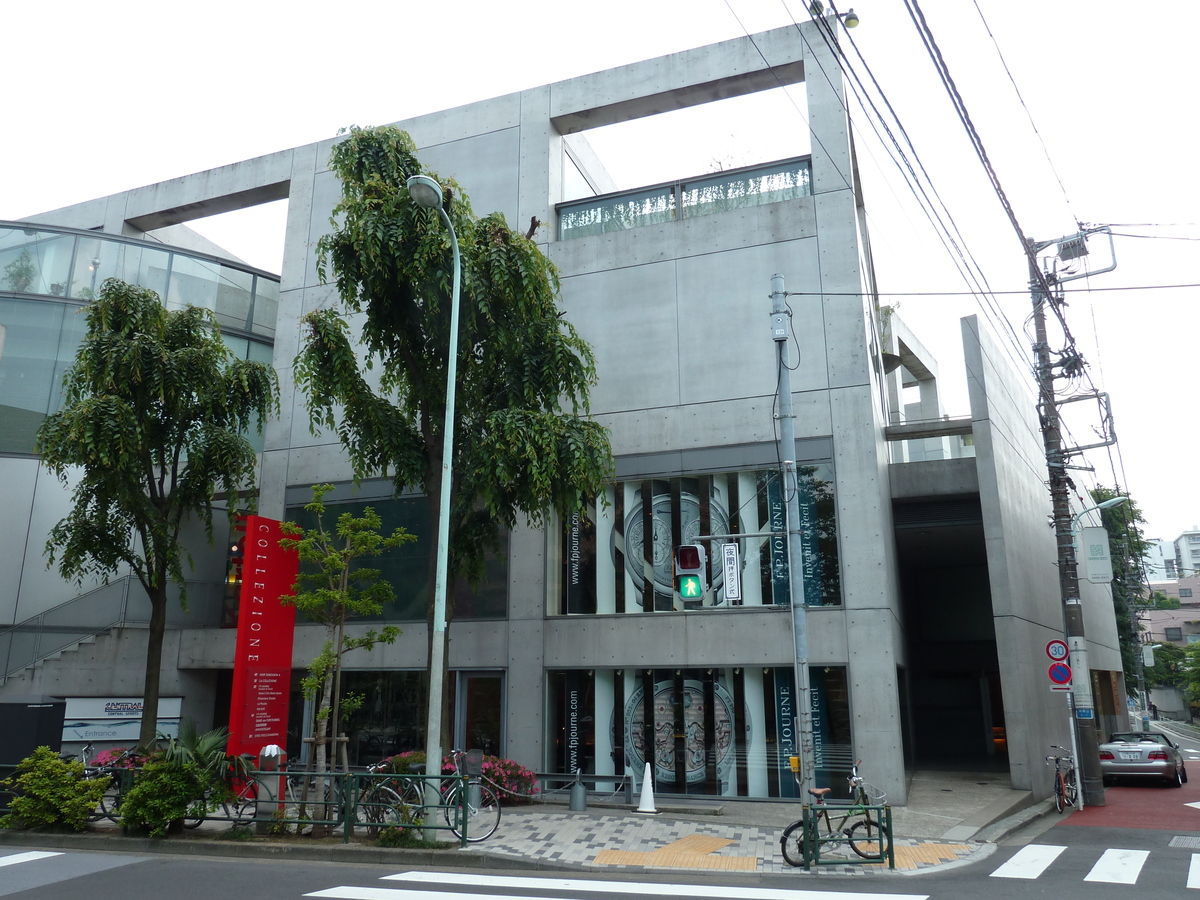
(813, 838)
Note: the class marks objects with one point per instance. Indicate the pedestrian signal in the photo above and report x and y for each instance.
(691, 572)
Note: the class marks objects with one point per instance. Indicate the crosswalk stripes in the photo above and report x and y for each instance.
(15, 858)
(1029, 862)
(1118, 866)
(569, 885)
(1115, 866)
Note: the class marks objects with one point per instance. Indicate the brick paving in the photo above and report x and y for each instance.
(630, 840)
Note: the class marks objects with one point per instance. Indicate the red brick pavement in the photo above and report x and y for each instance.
(1149, 805)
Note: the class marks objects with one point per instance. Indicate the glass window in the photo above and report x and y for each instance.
(1174, 634)
(31, 332)
(194, 282)
(1185, 592)
(721, 731)
(407, 567)
(266, 306)
(606, 555)
(234, 298)
(35, 262)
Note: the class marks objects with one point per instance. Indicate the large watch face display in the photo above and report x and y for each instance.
(661, 543)
(697, 745)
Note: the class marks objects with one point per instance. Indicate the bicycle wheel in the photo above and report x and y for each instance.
(242, 807)
(1059, 792)
(867, 838)
(791, 844)
(197, 810)
(482, 820)
(109, 805)
(377, 809)
(1070, 789)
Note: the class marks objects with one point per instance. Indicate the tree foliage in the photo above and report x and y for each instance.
(523, 443)
(1169, 669)
(1127, 547)
(153, 424)
(338, 589)
(1160, 600)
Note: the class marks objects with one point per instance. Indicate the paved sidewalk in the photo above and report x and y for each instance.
(952, 818)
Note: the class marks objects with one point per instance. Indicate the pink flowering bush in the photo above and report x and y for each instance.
(117, 757)
(512, 782)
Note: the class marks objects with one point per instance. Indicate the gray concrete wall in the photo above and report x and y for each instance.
(1021, 553)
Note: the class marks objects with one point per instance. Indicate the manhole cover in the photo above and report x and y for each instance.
(1181, 840)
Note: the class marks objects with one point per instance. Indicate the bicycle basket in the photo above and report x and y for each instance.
(473, 763)
(874, 794)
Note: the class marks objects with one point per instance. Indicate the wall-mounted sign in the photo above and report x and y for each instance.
(116, 719)
(262, 661)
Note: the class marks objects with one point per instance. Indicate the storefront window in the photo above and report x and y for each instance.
(407, 567)
(722, 731)
(619, 558)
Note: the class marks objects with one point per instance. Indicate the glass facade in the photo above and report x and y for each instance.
(406, 567)
(719, 731)
(609, 565)
(40, 336)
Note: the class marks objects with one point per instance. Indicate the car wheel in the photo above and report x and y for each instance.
(1183, 774)
(1177, 781)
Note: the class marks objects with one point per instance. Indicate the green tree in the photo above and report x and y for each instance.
(339, 589)
(1170, 667)
(1127, 547)
(1159, 600)
(154, 421)
(524, 443)
(1191, 673)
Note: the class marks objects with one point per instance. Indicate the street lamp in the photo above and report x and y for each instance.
(427, 194)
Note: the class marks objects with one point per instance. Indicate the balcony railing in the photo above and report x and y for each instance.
(69, 264)
(724, 191)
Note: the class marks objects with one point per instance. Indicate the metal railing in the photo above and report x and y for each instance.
(733, 189)
(118, 603)
(814, 839)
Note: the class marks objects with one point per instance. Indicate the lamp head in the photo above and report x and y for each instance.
(424, 191)
(850, 19)
(1108, 504)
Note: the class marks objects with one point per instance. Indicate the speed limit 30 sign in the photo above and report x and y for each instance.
(1057, 650)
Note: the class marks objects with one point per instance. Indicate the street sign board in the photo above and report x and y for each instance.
(733, 573)
(1097, 564)
(1060, 673)
(1057, 650)
(1084, 714)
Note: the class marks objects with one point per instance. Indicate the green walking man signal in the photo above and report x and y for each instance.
(691, 571)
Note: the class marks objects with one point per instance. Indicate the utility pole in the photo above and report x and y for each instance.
(1084, 722)
(780, 329)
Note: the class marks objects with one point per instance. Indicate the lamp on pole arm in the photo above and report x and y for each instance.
(427, 194)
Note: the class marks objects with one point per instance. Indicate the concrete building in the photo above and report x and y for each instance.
(933, 586)
(1159, 561)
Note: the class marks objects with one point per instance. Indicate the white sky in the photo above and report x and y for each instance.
(101, 99)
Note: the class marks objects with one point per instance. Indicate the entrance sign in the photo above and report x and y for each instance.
(1060, 673)
(262, 662)
(1057, 650)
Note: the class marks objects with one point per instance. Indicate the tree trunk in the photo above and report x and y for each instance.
(154, 644)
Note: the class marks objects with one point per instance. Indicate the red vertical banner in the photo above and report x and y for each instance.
(262, 662)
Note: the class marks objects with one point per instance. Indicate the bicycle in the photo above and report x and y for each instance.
(866, 834)
(1066, 787)
(482, 809)
(380, 806)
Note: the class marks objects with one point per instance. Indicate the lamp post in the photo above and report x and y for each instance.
(427, 193)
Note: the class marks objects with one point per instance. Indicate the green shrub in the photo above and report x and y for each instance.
(394, 837)
(237, 833)
(51, 792)
(512, 782)
(160, 797)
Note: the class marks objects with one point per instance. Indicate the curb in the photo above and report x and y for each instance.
(998, 831)
(354, 854)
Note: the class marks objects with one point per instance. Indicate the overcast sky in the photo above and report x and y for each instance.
(102, 98)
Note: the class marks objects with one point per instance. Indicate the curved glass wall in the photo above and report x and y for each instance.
(47, 275)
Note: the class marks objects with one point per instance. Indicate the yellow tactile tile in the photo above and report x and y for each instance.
(930, 854)
(691, 852)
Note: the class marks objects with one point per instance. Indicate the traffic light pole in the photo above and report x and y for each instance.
(780, 328)
(1086, 736)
